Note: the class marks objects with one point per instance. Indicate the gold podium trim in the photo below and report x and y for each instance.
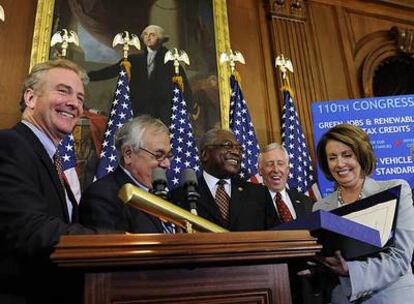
(164, 210)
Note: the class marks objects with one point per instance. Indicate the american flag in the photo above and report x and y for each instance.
(183, 144)
(121, 112)
(242, 127)
(67, 151)
(301, 174)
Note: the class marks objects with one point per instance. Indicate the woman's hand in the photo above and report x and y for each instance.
(336, 263)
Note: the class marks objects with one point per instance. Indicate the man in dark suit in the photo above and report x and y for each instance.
(151, 80)
(274, 168)
(36, 207)
(142, 144)
(248, 206)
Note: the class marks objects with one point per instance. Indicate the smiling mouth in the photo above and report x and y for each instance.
(233, 161)
(66, 114)
(343, 172)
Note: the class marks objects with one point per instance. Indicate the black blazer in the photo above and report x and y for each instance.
(151, 95)
(33, 215)
(100, 207)
(250, 205)
(302, 203)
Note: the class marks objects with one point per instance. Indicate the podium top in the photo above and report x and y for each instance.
(148, 250)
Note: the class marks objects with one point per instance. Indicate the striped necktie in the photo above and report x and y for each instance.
(222, 200)
(57, 160)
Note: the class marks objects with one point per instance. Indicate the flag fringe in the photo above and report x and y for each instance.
(286, 87)
(127, 65)
(178, 80)
(237, 77)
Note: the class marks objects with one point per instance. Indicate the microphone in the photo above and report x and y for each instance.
(159, 183)
(191, 189)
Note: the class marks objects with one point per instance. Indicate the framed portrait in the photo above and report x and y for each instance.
(199, 27)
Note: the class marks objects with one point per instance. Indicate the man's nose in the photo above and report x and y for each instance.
(165, 163)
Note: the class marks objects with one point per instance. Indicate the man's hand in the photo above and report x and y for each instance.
(336, 263)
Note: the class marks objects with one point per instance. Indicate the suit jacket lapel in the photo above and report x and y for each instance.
(297, 204)
(236, 201)
(25, 131)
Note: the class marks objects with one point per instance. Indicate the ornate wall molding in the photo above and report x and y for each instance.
(294, 10)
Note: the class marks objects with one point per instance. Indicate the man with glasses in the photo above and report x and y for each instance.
(142, 144)
(226, 199)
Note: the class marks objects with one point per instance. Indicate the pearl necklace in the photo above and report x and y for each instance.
(341, 200)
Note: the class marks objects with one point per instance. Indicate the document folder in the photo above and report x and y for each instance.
(358, 229)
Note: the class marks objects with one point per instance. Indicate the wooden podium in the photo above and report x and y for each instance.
(233, 267)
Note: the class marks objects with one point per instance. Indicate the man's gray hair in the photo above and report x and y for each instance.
(158, 30)
(35, 79)
(132, 132)
(271, 147)
(209, 137)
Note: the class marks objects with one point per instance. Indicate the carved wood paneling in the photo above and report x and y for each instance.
(293, 38)
(261, 284)
(249, 34)
(15, 44)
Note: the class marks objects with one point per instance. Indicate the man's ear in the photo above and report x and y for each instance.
(30, 98)
(203, 156)
(260, 170)
(126, 154)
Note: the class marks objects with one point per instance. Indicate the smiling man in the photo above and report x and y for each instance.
(274, 168)
(143, 144)
(226, 199)
(36, 207)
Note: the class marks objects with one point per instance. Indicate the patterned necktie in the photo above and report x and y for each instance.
(58, 165)
(222, 200)
(282, 209)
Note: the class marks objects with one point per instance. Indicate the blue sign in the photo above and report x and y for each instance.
(389, 122)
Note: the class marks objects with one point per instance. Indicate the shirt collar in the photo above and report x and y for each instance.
(283, 193)
(212, 180)
(140, 185)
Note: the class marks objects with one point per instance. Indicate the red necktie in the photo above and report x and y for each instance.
(222, 200)
(282, 209)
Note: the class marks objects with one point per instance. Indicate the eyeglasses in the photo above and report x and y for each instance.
(159, 156)
(228, 147)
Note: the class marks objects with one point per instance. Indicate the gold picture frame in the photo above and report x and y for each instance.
(43, 32)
